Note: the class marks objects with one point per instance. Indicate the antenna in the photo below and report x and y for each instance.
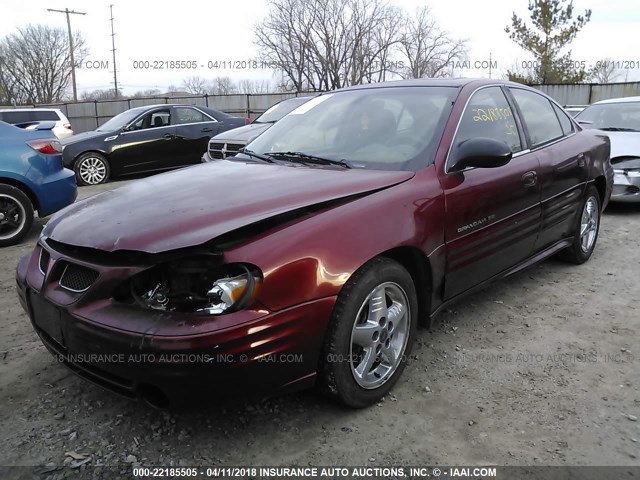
(113, 50)
(73, 63)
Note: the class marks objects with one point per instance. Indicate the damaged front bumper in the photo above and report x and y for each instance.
(626, 186)
(165, 357)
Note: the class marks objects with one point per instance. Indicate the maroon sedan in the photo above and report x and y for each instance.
(310, 258)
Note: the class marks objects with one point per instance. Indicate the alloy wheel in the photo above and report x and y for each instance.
(92, 170)
(12, 216)
(379, 335)
(589, 224)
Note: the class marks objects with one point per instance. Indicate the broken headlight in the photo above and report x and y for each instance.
(202, 285)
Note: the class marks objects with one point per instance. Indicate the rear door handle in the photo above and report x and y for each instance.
(207, 129)
(529, 179)
(581, 160)
(168, 136)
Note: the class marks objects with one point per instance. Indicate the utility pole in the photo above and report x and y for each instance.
(113, 50)
(73, 63)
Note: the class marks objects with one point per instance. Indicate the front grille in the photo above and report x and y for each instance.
(43, 262)
(224, 150)
(77, 278)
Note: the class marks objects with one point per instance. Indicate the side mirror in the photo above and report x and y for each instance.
(480, 152)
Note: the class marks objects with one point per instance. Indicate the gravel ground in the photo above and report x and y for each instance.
(540, 369)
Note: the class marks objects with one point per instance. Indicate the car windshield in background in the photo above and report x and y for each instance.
(119, 121)
(622, 116)
(392, 128)
(279, 110)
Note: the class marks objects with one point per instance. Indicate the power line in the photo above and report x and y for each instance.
(73, 63)
(113, 50)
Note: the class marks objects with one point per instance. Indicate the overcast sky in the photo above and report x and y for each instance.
(223, 30)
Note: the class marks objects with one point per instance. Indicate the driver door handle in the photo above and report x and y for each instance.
(168, 136)
(529, 179)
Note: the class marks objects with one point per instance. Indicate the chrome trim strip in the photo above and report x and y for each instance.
(40, 261)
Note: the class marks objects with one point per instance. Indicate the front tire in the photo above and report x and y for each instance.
(586, 229)
(92, 169)
(16, 215)
(370, 334)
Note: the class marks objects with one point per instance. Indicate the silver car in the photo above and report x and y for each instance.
(229, 143)
(619, 118)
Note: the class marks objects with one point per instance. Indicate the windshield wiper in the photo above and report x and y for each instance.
(305, 157)
(252, 154)
(618, 129)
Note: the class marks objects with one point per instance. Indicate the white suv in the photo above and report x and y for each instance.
(30, 117)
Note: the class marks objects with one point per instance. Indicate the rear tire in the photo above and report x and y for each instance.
(586, 229)
(16, 215)
(92, 169)
(370, 334)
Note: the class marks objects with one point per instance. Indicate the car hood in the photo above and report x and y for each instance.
(624, 144)
(242, 134)
(193, 205)
(79, 137)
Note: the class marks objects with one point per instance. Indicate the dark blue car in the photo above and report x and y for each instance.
(32, 178)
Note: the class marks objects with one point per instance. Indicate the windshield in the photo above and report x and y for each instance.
(279, 110)
(391, 128)
(614, 116)
(119, 121)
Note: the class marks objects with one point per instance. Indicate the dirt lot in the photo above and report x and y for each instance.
(541, 369)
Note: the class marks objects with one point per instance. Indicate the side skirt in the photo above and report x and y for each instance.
(546, 253)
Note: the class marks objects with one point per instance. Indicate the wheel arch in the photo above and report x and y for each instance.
(92, 150)
(24, 189)
(601, 185)
(419, 267)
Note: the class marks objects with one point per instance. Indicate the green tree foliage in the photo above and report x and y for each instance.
(554, 27)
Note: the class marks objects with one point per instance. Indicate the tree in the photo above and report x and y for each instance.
(151, 92)
(521, 72)
(554, 27)
(428, 50)
(327, 44)
(35, 65)
(605, 71)
(222, 86)
(195, 85)
(254, 86)
(108, 94)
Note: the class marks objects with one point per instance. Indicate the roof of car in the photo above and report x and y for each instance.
(436, 82)
(30, 109)
(212, 111)
(619, 100)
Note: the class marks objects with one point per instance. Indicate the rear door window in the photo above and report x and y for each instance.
(539, 117)
(16, 117)
(45, 115)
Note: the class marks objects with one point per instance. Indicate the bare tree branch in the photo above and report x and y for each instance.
(35, 65)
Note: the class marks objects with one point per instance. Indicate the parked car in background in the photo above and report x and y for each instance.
(619, 118)
(30, 117)
(32, 178)
(228, 143)
(144, 139)
(573, 110)
(310, 258)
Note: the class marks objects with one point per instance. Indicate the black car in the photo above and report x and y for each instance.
(143, 139)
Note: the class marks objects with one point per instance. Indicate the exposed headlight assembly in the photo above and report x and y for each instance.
(201, 285)
(233, 293)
